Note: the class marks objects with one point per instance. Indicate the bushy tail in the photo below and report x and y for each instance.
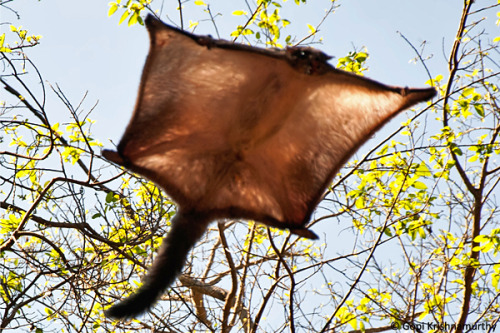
(185, 232)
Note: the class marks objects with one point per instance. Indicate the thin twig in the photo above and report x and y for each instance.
(234, 278)
(419, 57)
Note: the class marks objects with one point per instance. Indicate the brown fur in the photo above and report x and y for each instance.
(233, 131)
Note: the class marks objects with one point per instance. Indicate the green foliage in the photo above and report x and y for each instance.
(132, 10)
(21, 39)
(2, 42)
(354, 62)
(267, 21)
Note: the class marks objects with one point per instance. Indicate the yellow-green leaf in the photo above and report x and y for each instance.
(113, 8)
(133, 19)
(124, 17)
(419, 185)
(312, 29)
(239, 12)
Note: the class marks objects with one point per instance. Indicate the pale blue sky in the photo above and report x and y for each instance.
(84, 50)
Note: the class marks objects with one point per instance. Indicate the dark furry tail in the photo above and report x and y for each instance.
(186, 230)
